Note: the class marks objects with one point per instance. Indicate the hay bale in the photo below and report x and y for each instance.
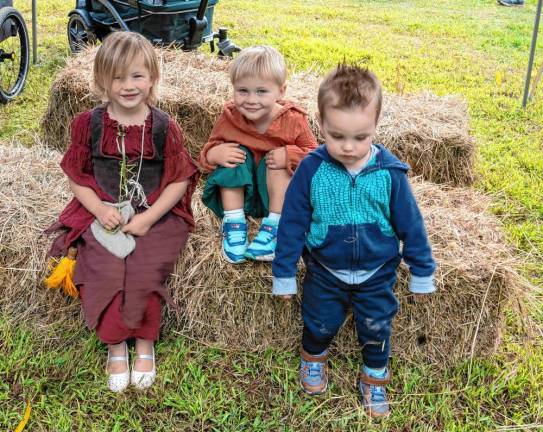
(427, 131)
(231, 306)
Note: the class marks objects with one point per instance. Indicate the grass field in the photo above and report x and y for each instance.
(469, 47)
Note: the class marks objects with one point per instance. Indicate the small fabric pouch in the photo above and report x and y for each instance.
(116, 242)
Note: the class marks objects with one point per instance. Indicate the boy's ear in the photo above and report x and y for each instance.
(319, 119)
(283, 89)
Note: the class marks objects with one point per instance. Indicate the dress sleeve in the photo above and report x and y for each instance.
(304, 143)
(216, 138)
(77, 162)
(179, 167)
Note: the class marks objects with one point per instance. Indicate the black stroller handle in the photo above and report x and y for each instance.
(202, 9)
(115, 14)
(197, 26)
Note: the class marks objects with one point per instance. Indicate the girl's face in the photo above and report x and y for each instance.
(130, 89)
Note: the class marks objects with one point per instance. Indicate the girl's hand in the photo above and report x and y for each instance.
(277, 159)
(139, 225)
(286, 298)
(108, 216)
(228, 155)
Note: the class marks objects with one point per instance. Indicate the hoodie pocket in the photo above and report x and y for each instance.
(359, 247)
(374, 247)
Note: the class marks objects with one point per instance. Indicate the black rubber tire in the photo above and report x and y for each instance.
(80, 33)
(22, 58)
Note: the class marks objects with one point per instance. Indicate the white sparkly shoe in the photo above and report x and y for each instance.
(117, 382)
(143, 380)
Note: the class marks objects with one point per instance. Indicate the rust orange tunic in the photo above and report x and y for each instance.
(288, 129)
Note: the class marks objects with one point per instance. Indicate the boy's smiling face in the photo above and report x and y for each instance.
(348, 134)
(256, 99)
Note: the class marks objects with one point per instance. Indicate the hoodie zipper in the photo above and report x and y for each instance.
(354, 232)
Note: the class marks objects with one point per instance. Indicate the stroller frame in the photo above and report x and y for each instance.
(185, 24)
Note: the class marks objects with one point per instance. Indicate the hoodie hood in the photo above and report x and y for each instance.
(385, 159)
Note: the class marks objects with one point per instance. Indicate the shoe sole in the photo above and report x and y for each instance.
(510, 5)
(267, 258)
(228, 259)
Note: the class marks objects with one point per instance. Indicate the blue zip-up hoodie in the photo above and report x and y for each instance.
(351, 223)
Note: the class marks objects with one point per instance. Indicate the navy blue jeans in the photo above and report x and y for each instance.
(326, 301)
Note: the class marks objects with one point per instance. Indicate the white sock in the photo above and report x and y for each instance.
(274, 217)
(234, 214)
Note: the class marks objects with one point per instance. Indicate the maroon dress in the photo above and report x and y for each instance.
(121, 297)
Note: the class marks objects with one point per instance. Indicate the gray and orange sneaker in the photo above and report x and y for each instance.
(373, 394)
(313, 372)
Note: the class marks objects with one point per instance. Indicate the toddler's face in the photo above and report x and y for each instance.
(130, 89)
(256, 98)
(348, 134)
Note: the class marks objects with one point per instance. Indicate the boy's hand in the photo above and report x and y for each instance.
(285, 298)
(277, 159)
(228, 155)
(108, 216)
(139, 225)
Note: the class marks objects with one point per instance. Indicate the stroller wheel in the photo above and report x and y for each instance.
(80, 33)
(14, 53)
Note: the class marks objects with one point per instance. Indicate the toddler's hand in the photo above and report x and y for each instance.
(286, 298)
(109, 217)
(228, 155)
(138, 225)
(277, 159)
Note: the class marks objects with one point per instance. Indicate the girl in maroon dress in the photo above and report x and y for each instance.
(123, 155)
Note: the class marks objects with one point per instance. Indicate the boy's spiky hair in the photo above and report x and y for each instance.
(350, 86)
(261, 61)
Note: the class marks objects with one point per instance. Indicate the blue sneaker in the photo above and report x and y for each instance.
(313, 373)
(234, 242)
(262, 248)
(373, 394)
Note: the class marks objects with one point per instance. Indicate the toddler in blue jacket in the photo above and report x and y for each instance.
(347, 208)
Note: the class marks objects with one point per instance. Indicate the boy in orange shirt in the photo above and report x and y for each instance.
(254, 148)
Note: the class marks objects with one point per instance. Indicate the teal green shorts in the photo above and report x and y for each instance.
(247, 175)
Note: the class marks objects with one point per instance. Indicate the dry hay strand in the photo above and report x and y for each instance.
(33, 191)
(427, 131)
(231, 306)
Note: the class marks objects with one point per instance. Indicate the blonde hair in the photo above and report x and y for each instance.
(115, 55)
(262, 61)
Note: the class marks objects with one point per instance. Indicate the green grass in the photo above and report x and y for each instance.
(468, 47)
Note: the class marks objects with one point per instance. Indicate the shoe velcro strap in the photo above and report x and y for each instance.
(117, 358)
(366, 379)
(313, 358)
(145, 356)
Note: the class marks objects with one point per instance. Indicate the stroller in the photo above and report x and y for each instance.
(180, 23)
(14, 51)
